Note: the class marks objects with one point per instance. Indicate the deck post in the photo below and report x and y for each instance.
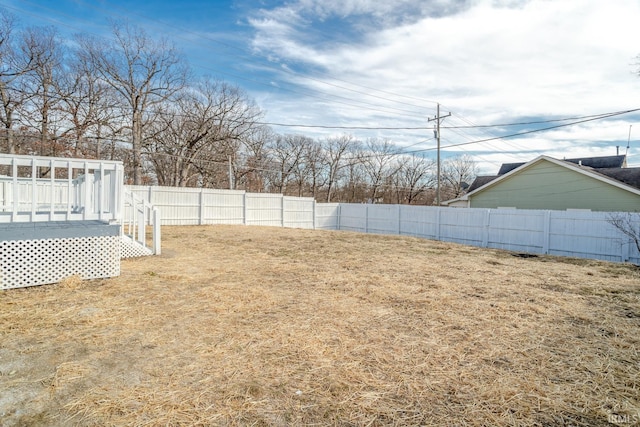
(34, 188)
(86, 189)
(52, 193)
(69, 186)
(101, 191)
(14, 195)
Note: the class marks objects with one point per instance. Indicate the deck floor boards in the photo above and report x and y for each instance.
(56, 230)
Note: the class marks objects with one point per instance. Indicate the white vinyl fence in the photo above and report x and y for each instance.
(195, 206)
(566, 233)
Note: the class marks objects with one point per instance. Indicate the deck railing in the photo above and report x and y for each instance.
(41, 189)
(138, 215)
(36, 189)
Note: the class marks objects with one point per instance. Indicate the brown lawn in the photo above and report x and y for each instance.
(244, 326)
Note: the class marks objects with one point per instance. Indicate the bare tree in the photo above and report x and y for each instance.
(88, 105)
(355, 182)
(335, 151)
(377, 162)
(627, 223)
(200, 130)
(415, 176)
(252, 175)
(456, 175)
(287, 154)
(312, 158)
(302, 172)
(41, 114)
(144, 72)
(16, 59)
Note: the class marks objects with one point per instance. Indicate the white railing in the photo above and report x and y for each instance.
(36, 189)
(138, 214)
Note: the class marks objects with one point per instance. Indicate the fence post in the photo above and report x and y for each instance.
(546, 233)
(399, 219)
(339, 215)
(201, 206)
(282, 211)
(485, 234)
(313, 207)
(366, 218)
(437, 223)
(150, 194)
(244, 208)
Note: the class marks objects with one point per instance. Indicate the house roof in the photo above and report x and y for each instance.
(592, 162)
(508, 167)
(480, 181)
(629, 176)
(601, 162)
(625, 178)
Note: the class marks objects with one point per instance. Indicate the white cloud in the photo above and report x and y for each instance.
(491, 61)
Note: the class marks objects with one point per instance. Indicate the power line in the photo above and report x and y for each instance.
(471, 126)
(536, 122)
(600, 117)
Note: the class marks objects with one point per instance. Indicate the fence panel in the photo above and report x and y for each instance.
(516, 230)
(419, 221)
(327, 216)
(222, 207)
(586, 235)
(353, 217)
(464, 226)
(264, 209)
(383, 219)
(178, 206)
(298, 212)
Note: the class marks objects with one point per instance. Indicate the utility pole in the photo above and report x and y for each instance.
(231, 186)
(438, 118)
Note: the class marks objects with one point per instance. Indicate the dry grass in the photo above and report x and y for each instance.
(267, 326)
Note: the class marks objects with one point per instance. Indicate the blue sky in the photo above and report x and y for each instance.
(379, 64)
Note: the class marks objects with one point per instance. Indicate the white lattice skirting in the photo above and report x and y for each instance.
(37, 262)
(133, 249)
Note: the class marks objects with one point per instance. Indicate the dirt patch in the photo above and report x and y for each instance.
(266, 326)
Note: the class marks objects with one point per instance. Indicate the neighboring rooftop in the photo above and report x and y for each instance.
(601, 162)
(629, 176)
(480, 181)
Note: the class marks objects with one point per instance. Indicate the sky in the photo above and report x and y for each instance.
(379, 69)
